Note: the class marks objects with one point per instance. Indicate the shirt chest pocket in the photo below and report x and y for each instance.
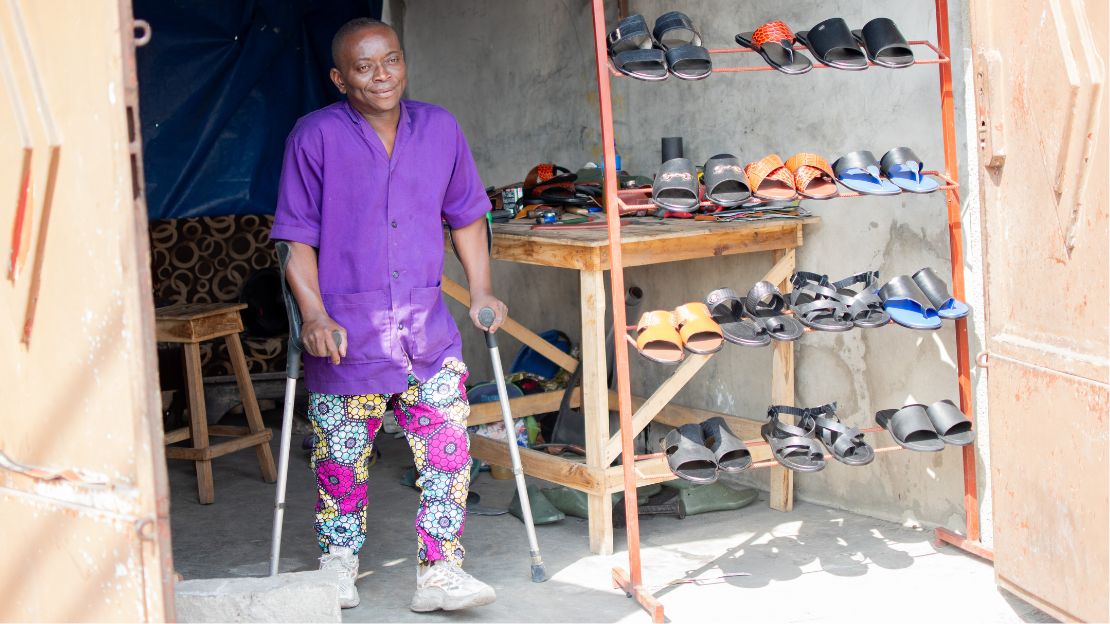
(432, 325)
(366, 317)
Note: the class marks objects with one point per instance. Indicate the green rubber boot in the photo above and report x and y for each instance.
(543, 512)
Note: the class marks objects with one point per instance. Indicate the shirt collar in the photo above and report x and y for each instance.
(357, 117)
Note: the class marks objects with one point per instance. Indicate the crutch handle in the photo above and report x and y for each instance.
(486, 316)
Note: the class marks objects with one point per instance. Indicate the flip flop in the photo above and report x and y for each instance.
(729, 451)
(860, 172)
(950, 423)
(907, 305)
(793, 446)
(865, 307)
(728, 310)
(725, 182)
(936, 290)
(884, 43)
(816, 303)
(769, 179)
(775, 43)
(911, 428)
(764, 305)
(687, 456)
(700, 333)
(657, 339)
(843, 442)
(676, 186)
(902, 167)
(812, 176)
(632, 51)
(831, 42)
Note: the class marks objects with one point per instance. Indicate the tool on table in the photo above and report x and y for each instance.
(486, 317)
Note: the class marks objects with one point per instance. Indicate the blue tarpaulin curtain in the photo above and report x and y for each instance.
(220, 85)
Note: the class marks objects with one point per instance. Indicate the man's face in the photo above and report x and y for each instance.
(371, 70)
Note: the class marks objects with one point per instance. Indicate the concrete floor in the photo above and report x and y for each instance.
(813, 564)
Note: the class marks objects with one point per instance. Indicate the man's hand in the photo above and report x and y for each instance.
(500, 310)
(319, 335)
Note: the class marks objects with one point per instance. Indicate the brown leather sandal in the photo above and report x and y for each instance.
(699, 332)
(813, 177)
(769, 179)
(657, 339)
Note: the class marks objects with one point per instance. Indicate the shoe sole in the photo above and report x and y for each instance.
(445, 603)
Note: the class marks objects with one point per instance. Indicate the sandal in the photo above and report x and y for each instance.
(686, 58)
(764, 305)
(775, 43)
(911, 428)
(730, 452)
(632, 51)
(728, 310)
(831, 42)
(936, 290)
(816, 304)
(884, 43)
(700, 333)
(950, 423)
(812, 176)
(794, 447)
(725, 182)
(657, 339)
(902, 167)
(687, 456)
(769, 179)
(676, 186)
(864, 307)
(843, 442)
(907, 305)
(860, 172)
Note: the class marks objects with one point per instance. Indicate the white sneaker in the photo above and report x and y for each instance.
(344, 562)
(447, 586)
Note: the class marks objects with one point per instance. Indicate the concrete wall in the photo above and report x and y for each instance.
(519, 76)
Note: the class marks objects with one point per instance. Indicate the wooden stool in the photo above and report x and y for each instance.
(189, 324)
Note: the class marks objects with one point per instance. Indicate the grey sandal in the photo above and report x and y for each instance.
(687, 456)
(911, 428)
(765, 305)
(728, 310)
(816, 303)
(865, 308)
(676, 186)
(845, 443)
(725, 182)
(731, 453)
(950, 423)
(793, 446)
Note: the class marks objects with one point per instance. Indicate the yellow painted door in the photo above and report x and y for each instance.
(84, 532)
(1043, 121)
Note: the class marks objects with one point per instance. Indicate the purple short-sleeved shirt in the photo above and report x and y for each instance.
(376, 223)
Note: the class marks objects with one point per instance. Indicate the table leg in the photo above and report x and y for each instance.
(595, 406)
(198, 420)
(782, 393)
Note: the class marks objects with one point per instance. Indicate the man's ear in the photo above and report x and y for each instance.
(337, 80)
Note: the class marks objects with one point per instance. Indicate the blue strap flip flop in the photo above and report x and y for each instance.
(860, 172)
(907, 305)
(947, 306)
(902, 167)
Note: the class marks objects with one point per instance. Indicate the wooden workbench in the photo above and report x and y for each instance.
(644, 241)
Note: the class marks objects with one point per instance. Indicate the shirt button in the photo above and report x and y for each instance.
(393, 224)
(396, 275)
(401, 326)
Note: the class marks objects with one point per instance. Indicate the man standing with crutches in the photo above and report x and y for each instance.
(365, 186)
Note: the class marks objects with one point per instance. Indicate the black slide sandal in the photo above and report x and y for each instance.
(676, 186)
(815, 303)
(794, 447)
(864, 307)
(775, 43)
(843, 442)
(728, 310)
(687, 456)
(689, 62)
(632, 51)
(951, 424)
(831, 42)
(764, 305)
(725, 182)
(686, 58)
(911, 428)
(884, 43)
(731, 453)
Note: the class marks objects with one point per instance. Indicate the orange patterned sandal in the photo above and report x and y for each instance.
(769, 179)
(657, 339)
(775, 43)
(813, 177)
(700, 333)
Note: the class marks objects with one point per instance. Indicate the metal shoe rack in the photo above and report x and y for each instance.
(631, 580)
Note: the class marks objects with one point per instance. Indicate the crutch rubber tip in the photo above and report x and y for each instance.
(539, 573)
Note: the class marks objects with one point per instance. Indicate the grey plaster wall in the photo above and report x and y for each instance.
(519, 76)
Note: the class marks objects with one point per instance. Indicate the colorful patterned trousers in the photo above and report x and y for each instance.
(433, 417)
